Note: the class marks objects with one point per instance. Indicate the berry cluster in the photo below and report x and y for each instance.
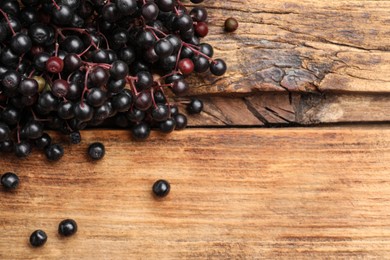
(69, 64)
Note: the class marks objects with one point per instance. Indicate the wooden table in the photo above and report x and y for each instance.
(247, 183)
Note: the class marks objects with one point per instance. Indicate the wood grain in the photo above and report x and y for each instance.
(300, 46)
(283, 109)
(319, 193)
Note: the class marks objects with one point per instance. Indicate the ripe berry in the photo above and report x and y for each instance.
(144, 80)
(28, 87)
(167, 126)
(179, 87)
(199, 14)
(67, 227)
(163, 48)
(126, 7)
(150, 11)
(75, 137)
(160, 112)
(43, 141)
(22, 149)
(10, 180)
(195, 107)
(60, 88)
(141, 131)
(38, 238)
(165, 5)
(54, 152)
(63, 15)
(218, 67)
(20, 43)
(181, 121)
(119, 70)
(72, 62)
(161, 188)
(111, 13)
(96, 151)
(4, 132)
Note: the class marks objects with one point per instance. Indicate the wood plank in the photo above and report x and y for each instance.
(310, 193)
(283, 109)
(300, 46)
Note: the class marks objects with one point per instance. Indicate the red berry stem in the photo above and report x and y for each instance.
(85, 86)
(18, 132)
(178, 56)
(56, 5)
(8, 21)
(131, 83)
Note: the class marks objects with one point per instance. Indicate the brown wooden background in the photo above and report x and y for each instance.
(241, 188)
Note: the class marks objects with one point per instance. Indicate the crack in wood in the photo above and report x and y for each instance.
(255, 112)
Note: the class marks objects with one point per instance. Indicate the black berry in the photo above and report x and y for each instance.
(96, 151)
(67, 227)
(10, 180)
(38, 238)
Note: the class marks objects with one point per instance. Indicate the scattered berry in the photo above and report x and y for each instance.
(75, 137)
(231, 24)
(10, 180)
(161, 188)
(38, 238)
(96, 151)
(54, 152)
(195, 106)
(67, 227)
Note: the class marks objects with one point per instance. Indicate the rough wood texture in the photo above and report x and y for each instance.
(283, 109)
(305, 46)
(236, 194)
(300, 50)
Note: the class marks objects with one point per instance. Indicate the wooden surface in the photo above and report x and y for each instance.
(304, 46)
(236, 194)
(312, 50)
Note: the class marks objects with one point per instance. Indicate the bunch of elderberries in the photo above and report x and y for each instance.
(69, 64)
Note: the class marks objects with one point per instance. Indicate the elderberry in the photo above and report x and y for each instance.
(69, 64)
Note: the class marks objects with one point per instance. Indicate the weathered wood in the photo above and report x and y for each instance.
(236, 194)
(304, 46)
(283, 109)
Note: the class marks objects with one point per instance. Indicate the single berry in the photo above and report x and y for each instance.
(67, 227)
(43, 141)
(60, 88)
(22, 149)
(181, 121)
(167, 126)
(231, 24)
(195, 106)
(54, 152)
(38, 238)
(141, 131)
(201, 29)
(161, 188)
(96, 151)
(10, 180)
(54, 65)
(4, 132)
(186, 66)
(75, 137)
(218, 67)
